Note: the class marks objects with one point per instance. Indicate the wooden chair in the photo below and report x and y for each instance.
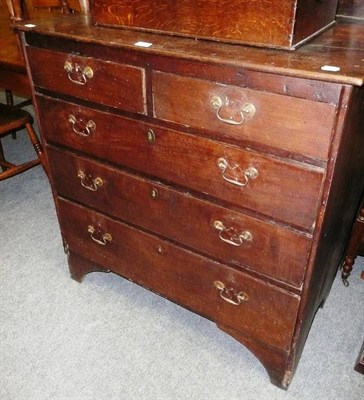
(13, 119)
(355, 245)
(13, 75)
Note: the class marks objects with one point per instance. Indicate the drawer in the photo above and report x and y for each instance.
(116, 85)
(262, 311)
(288, 191)
(229, 236)
(273, 120)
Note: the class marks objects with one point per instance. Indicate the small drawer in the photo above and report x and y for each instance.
(277, 121)
(116, 85)
(288, 191)
(229, 236)
(219, 292)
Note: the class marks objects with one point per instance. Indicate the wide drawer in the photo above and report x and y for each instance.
(262, 311)
(283, 122)
(116, 85)
(233, 238)
(288, 191)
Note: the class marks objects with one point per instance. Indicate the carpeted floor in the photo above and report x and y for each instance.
(108, 339)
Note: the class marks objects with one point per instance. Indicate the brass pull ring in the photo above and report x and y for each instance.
(81, 76)
(247, 111)
(230, 295)
(228, 235)
(89, 127)
(236, 172)
(89, 183)
(99, 237)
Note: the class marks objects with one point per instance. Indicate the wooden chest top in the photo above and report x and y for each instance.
(332, 48)
(281, 24)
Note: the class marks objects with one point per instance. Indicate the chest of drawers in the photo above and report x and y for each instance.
(204, 174)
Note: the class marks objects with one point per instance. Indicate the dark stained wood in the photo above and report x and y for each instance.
(343, 38)
(79, 266)
(347, 174)
(355, 244)
(233, 75)
(17, 82)
(12, 120)
(275, 361)
(343, 188)
(312, 16)
(351, 10)
(192, 106)
(13, 74)
(154, 197)
(190, 161)
(110, 84)
(305, 62)
(182, 217)
(186, 278)
(282, 23)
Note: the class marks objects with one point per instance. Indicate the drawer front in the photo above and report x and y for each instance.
(116, 85)
(268, 119)
(265, 312)
(266, 248)
(284, 190)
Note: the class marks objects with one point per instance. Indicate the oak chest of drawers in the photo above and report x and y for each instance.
(221, 177)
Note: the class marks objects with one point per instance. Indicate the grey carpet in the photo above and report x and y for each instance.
(109, 339)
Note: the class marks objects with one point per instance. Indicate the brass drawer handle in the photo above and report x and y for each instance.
(76, 74)
(231, 295)
(230, 236)
(89, 183)
(90, 126)
(238, 176)
(247, 111)
(98, 236)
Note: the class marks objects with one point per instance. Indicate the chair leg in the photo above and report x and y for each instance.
(9, 169)
(37, 145)
(9, 98)
(10, 102)
(2, 157)
(18, 169)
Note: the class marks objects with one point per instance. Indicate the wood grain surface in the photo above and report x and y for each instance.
(270, 23)
(190, 161)
(188, 279)
(188, 101)
(184, 218)
(111, 83)
(341, 46)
